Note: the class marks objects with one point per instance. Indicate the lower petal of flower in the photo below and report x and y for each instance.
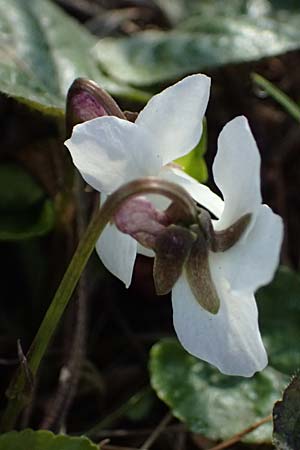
(230, 340)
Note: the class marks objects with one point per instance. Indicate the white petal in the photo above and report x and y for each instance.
(117, 251)
(175, 116)
(230, 340)
(236, 171)
(251, 262)
(109, 151)
(201, 193)
(145, 251)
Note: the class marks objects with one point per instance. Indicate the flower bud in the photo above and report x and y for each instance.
(86, 100)
(138, 218)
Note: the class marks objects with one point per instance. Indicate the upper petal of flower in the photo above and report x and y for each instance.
(230, 340)
(200, 193)
(236, 171)
(117, 251)
(252, 261)
(109, 151)
(175, 116)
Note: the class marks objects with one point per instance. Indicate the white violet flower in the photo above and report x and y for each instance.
(109, 152)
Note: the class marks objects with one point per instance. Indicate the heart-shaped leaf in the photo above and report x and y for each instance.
(42, 52)
(206, 34)
(210, 403)
(43, 440)
(286, 416)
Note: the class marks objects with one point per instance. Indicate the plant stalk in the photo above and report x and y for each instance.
(18, 392)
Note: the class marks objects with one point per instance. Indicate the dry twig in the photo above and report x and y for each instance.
(156, 432)
(237, 437)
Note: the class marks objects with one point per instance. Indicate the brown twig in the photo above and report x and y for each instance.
(180, 442)
(27, 413)
(237, 437)
(116, 447)
(119, 433)
(156, 432)
(9, 362)
(70, 372)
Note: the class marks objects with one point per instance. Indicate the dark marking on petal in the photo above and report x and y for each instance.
(172, 247)
(199, 276)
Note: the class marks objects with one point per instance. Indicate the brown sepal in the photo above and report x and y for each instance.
(172, 247)
(131, 116)
(225, 239)
(199, 276)
(220, 241)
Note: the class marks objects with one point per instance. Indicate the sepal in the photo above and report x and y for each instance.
(172, 247)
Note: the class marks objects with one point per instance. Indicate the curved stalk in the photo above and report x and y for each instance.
(18, 397)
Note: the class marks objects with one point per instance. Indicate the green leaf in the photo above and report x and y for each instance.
(210, 403)
(43, 440)
(25, 211)
(279, 313)
(213, 35)
(284, 100)
(286, 416)
(217, 405)
(180, 10)
(194, 163)
(42, 51)
(141, 405)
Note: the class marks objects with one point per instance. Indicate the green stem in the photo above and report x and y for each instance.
(18, 386)
(118, 413)
(284, 100)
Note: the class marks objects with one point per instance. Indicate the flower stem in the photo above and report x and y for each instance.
(18, 392)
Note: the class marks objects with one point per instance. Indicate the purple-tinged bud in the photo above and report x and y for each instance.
(86, 100)
(138, 218)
